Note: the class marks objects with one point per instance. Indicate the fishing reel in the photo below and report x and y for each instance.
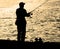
(30, 13)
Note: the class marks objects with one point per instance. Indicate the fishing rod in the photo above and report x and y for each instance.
(39, 6)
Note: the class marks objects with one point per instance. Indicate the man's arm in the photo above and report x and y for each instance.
(28, 14)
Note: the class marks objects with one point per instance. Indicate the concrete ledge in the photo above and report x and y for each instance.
(16, 44)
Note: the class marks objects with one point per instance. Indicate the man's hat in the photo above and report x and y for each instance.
(21, 3)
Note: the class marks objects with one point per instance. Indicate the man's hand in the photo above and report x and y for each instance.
(30, 13)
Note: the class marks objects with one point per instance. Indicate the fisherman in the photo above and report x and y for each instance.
(21, 13)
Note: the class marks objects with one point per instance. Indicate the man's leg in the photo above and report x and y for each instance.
(19, 33)
(23, 33)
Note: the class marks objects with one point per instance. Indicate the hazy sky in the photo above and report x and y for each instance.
(30, 4)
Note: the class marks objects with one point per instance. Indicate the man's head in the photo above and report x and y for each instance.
(21, 4)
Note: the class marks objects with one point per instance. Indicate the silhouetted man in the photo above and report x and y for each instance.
(21, 22)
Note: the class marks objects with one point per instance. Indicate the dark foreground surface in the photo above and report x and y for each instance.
(18, 45)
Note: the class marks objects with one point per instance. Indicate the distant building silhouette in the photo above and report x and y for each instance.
(21, 13)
